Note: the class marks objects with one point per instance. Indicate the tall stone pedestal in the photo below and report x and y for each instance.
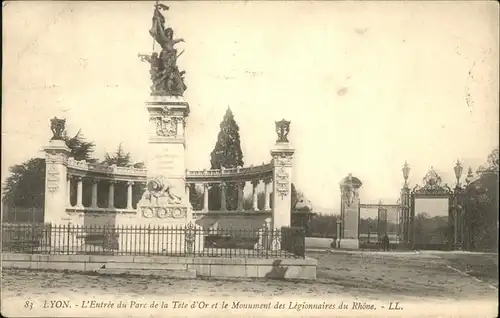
(282, 154)
(165, 202)
(349, 188)
(56, 182)
(57, 188)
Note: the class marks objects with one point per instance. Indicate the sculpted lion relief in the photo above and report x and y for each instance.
(159, 191)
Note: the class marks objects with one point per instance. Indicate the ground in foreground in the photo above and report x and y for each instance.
(369, 275)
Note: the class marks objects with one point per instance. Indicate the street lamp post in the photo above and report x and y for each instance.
(405, 204)
(457, 217)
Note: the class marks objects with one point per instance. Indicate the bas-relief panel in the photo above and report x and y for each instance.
(164, 212)
(282, 182)
(53, 177)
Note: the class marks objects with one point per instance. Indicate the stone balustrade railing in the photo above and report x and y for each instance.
(239, 176)
(75, 166)
(237, 173)
(250, 172)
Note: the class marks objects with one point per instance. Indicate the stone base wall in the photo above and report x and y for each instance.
(245, 221)
(204, 266)
(350, 244)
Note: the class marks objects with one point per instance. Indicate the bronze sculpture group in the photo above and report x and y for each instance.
(165, 75)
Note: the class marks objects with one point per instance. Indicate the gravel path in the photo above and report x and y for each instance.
(370, 276)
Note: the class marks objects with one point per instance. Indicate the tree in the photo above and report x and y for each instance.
(492, 163)
(481, 207)
(79, 148)
(120, 158)
(293, 196)
(195, 197)
(227, 154)
(25, 187)
(139, 165)
(26, 184)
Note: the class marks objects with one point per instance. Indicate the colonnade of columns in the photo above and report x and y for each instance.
(206, 186)
(241, 185)
(94, 201)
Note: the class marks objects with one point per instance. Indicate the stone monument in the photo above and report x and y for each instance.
(164, 201)
(349, 212)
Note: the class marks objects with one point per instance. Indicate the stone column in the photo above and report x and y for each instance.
(349, 189)
(188, 190)
(405, 211)
(68, 191)
(223, 199)
(205, 197)
(111, 195)
(339, 234)
(267, 205)
(129, 195)
(94, 193)
(79, 192)
(455, 228)
(241, 186)
(255, 205)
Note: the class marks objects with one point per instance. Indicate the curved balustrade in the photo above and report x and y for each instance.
(237, 173)
(239, 176)
(76, 167)
(80, 170)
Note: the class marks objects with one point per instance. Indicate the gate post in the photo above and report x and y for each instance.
(405, 206)
(56, 160)
(282, 154)
(349, 211)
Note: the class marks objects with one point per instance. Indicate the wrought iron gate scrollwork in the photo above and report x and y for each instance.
(190, 238)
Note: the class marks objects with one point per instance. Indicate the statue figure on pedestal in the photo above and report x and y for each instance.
(165, 75)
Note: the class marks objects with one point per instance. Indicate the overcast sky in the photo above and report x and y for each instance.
(365, 85)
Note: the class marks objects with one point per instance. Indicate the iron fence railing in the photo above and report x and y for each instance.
(293, 240)
(152, 240)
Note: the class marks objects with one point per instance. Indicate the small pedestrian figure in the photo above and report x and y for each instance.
(385, 242)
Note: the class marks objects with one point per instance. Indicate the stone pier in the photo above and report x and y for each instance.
(350, 209)
(282, 154)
